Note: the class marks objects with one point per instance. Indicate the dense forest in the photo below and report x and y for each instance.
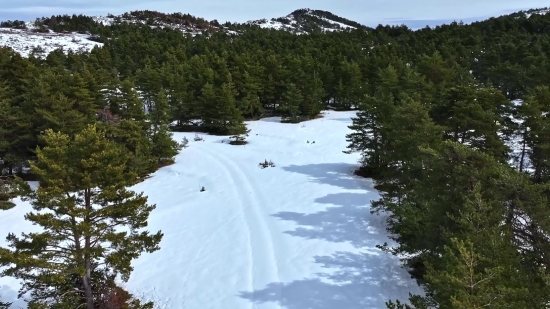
(452, 125)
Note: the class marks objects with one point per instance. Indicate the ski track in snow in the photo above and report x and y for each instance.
(242, 211)
(262, 235)
(295, 236)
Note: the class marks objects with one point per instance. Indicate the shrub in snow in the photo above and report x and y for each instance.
(198, 138)
(266, 164)
(240, 133)
(184, 142)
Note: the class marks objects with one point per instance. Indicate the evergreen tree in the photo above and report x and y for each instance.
(81, 204)
(408, 132)
(311, 104)
(17, 122)
(534, 112)
(220, 110)
(60, 114)
(368, 136)
(290, 103)
(474, 117)
(164, 147)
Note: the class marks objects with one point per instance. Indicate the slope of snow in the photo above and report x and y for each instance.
(539, 12)
(292, 25)
(23, 41)
(298, 235)
(339, 24)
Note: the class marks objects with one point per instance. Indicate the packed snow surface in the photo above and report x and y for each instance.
(298, 235)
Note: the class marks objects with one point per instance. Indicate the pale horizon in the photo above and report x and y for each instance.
(367, 12)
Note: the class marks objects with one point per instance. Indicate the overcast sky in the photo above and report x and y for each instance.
(414, 13)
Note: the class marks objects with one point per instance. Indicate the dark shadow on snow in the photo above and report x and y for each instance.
(334, 174)
(352, 280)
(271, 119)
(342, 119)
(349, 219)
(350, 222)
(359, 281)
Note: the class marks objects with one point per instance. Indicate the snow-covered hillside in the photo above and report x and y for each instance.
(298, 235)
(542, 11)
(300, 22)
(306, 20)
(23, 41)
(25, 38)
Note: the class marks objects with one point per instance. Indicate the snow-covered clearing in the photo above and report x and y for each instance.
(23, 41)
(298, 235)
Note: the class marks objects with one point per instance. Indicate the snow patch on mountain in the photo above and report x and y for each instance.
(25, 41)
(537, 12)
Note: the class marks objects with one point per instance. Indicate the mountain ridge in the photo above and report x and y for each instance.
(80, 32)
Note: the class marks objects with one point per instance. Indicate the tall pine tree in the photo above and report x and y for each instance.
(91, 223)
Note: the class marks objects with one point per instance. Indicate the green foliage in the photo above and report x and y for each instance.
(433, 127)
(4, 305)
(82, 204)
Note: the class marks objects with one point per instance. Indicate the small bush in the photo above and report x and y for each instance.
(198, 138)
(238, 142)
(115, 297)
(266, 164)
(240, 138)
(184, 142)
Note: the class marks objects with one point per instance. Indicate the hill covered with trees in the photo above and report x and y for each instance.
(452, 124)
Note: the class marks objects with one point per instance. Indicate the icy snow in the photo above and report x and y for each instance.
(298, 235)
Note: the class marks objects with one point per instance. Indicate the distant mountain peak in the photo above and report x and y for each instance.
(307, 20)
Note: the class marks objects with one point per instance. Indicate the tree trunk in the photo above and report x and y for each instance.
(88, 289)
(87, 278)
(523, 149)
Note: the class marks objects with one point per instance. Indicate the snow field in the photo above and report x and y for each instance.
(297, 235)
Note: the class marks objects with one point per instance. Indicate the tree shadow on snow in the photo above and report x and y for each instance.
(352, 280)
(357, 281)
(342, 119)
(334, 174)
(271, 119)
(9, 295)
(351, 221)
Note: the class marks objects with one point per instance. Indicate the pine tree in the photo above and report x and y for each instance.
(248, 101)
(368, 136)
(239, 132)
(164, 147)
(61, 115)
(474, 116)
(290, 103)
(534, 111)
(78, 90)
(82, 204)
(312, 99)
(407, 133)
(208, 100)
(229, 114)
(10, 187)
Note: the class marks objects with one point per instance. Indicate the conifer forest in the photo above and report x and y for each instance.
(452, 125)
